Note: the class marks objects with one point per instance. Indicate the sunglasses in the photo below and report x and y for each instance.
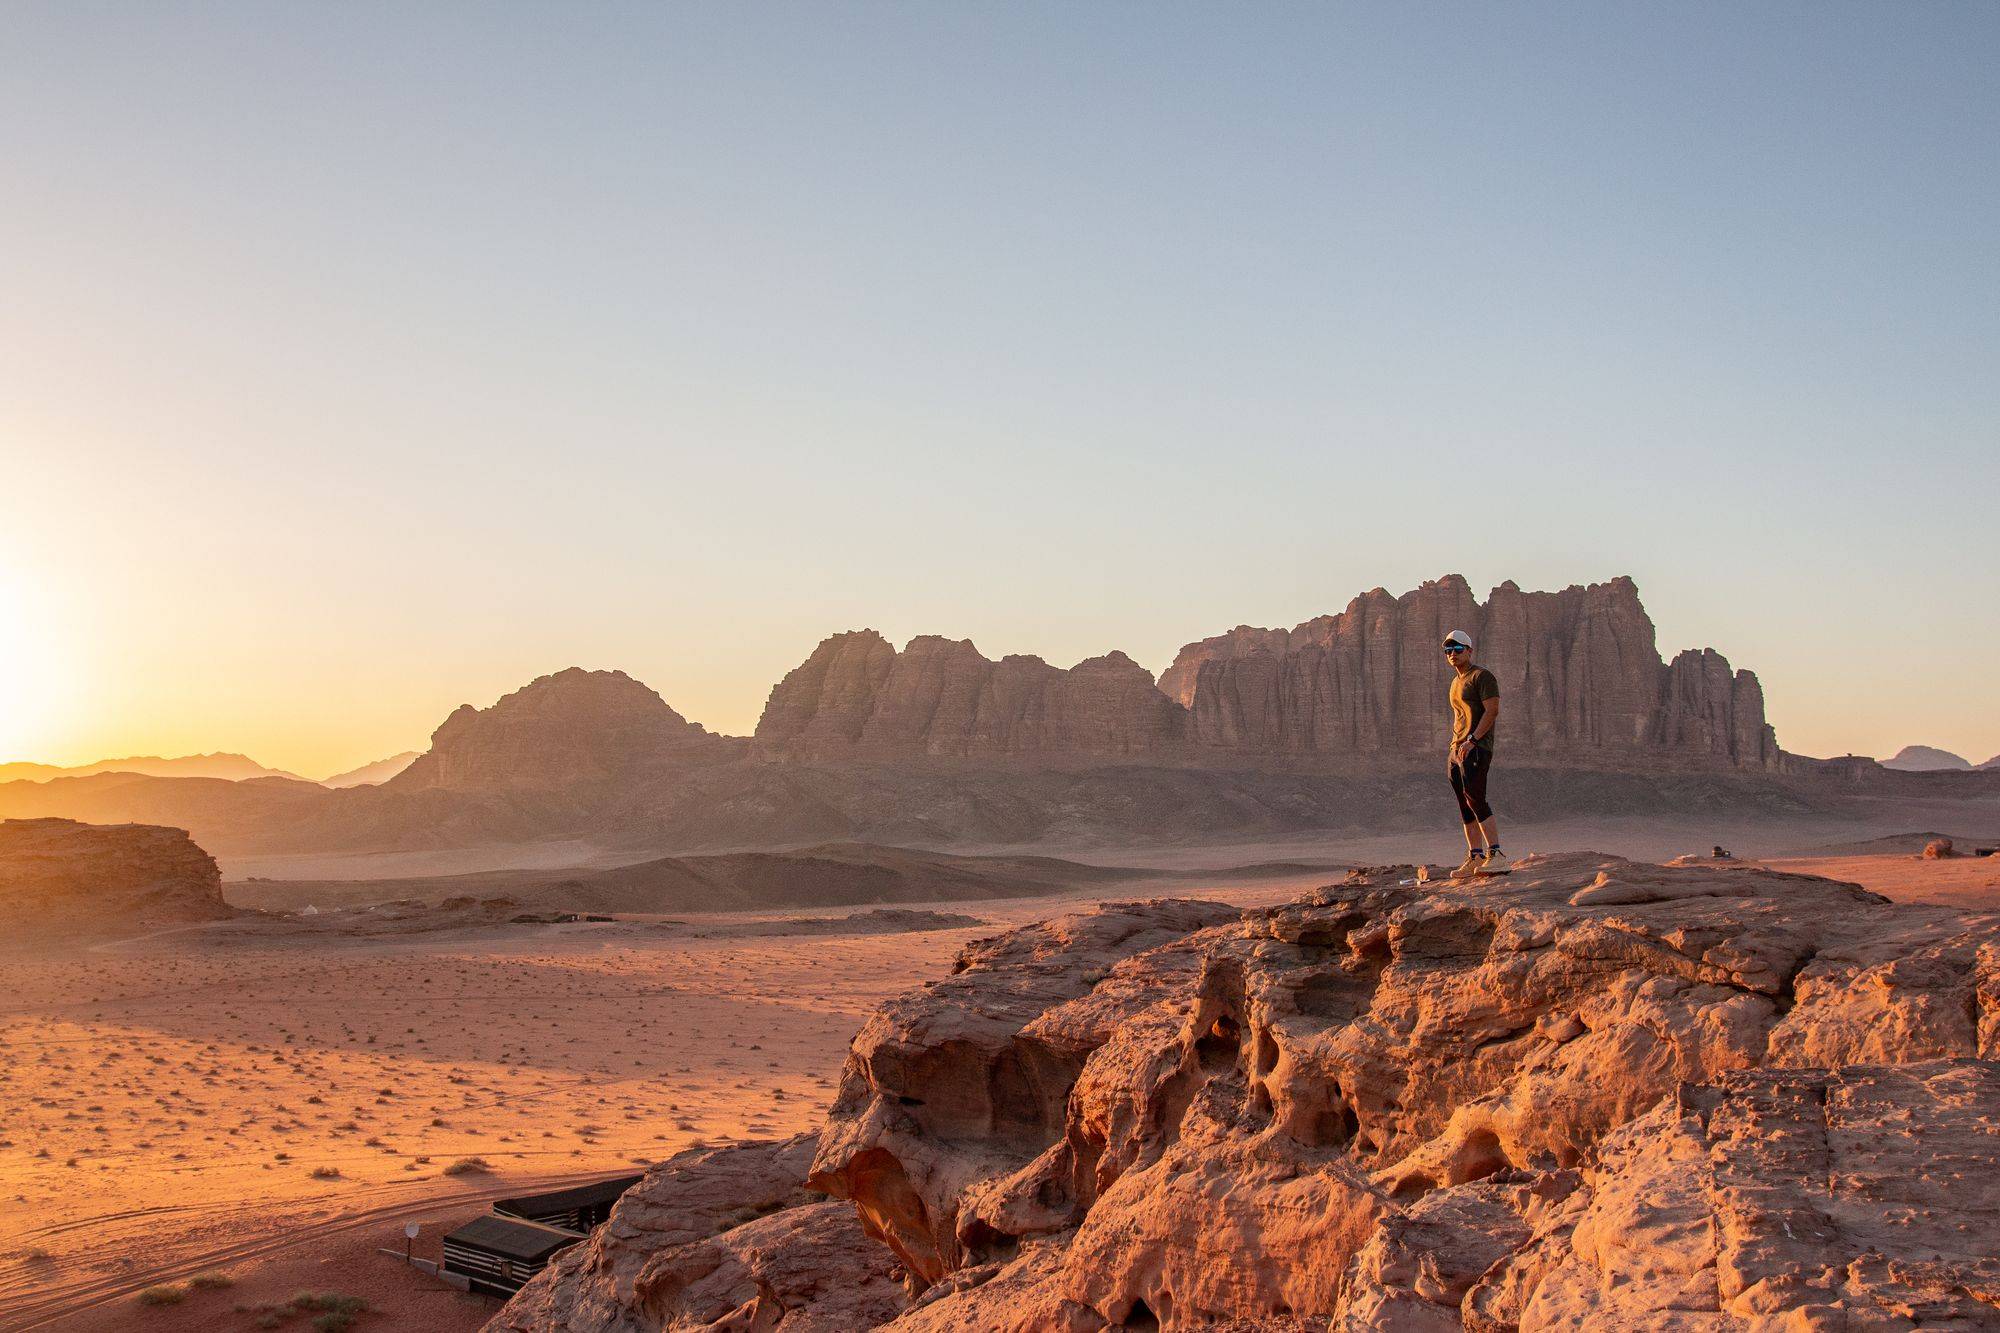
(1454, 647)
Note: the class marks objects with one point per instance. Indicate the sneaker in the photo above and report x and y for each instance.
(1493, 860)
(1471, 865)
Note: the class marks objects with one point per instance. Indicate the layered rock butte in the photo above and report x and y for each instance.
(1581, 677)
(60, 878)
(1595, 1095)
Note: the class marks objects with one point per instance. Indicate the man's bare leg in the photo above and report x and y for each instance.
(1489, 828)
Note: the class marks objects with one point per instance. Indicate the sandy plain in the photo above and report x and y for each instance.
(271, 1108)
(224, 1101)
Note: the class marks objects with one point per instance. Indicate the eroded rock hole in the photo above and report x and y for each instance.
(1413, 1186)
(1140, 1318)
(1331, 1127)
(1216, 1049)
(1477, 1158)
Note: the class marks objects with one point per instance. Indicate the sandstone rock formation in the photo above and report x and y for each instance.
(62, 879)
(1580, 671)
(856, 696)
(722, 1238)
(1594, 1095)
(574, 729)
(1580, 674)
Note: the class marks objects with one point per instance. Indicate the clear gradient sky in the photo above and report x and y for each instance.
(361, 359)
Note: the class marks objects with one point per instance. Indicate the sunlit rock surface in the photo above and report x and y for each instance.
(1592, 1094)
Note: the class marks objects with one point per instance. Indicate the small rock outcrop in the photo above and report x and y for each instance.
(717, 1238)
(1597, 1094)
(574, 730)
(60, 878)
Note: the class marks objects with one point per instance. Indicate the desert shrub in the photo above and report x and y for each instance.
(211, 1281)
(326, 1173)
(467, 1165)
(172, 1293)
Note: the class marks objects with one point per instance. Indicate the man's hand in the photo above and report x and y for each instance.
(1459, 751)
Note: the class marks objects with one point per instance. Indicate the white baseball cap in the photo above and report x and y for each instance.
(1459, 636)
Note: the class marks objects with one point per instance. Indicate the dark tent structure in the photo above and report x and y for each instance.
(498, 1255)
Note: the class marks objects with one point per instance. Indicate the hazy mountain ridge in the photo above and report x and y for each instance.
(227, 766)
(370, 774)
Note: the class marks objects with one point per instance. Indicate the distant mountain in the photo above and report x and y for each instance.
(1925, 759)
(569, 731)
(230, 767)
(1994, 762)
(369, 774)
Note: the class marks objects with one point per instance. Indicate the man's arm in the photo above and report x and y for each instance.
(1484, 726)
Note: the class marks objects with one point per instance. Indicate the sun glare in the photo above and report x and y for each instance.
(30, 679)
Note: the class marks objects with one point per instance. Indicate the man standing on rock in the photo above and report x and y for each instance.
(1475, 708)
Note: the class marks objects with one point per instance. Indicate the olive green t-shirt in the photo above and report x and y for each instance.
(1469, 692)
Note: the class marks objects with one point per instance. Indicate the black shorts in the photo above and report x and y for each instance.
(1468, 783)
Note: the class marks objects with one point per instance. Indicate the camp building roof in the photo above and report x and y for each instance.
(561, 1201)
(512, 1239)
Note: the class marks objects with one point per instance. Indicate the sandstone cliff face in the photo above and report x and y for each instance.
(1595, 1095)
(572, 729)
(1580, 675)
(857, 697)
(60, 878)
(1579, 671)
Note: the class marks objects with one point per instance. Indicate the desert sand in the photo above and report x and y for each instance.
(179, 1104)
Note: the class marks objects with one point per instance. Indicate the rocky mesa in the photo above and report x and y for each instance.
(1596, 1094)
(1580, 668)
(60, 878)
